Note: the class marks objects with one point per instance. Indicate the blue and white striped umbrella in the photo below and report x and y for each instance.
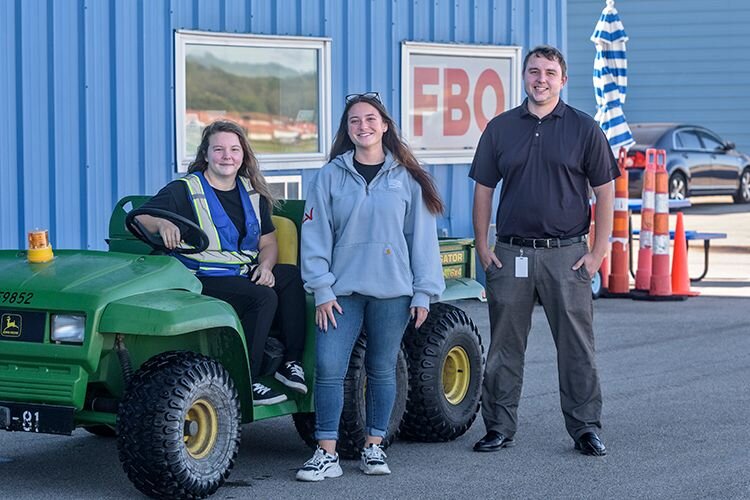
(611, 77)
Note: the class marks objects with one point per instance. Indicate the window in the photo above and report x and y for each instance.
(285, 187)
(688, 140)
(711, 143)
(449, 92)
(277, 88)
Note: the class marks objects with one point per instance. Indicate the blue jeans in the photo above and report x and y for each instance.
(385, 321)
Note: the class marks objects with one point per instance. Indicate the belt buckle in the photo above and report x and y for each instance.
(543, 243)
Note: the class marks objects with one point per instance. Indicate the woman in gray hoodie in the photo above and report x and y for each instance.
(370, 255)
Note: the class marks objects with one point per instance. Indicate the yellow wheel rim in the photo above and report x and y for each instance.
(200, 444)
(456, 375)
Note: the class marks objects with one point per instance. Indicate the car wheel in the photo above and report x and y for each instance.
(678, 187)
(743, 193)
(445, 376)
(596, 285)
(179, 426)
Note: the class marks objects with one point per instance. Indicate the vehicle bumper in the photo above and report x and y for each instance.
(36, 418)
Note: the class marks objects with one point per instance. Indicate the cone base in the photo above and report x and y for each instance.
(619, 284)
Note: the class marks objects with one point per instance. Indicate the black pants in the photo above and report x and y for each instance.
(260, 307)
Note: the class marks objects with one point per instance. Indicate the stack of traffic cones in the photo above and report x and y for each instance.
(661, 285)
(619, 279)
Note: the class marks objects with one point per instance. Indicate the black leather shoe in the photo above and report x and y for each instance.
(494, 441)
(590, 444)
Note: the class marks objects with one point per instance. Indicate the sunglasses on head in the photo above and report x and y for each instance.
(367, 95)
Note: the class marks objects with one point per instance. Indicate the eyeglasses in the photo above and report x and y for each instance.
(367, 95)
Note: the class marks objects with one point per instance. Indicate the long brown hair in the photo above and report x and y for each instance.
(394, 143)
(249, 169)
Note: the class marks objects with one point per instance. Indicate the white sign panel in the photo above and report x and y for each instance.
(450, 92)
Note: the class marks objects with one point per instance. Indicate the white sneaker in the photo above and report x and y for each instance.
(373, 461)
(320, 466)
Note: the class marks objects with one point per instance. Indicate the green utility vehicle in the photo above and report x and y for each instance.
(122, 343)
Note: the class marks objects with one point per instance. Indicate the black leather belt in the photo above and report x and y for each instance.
(541, 242)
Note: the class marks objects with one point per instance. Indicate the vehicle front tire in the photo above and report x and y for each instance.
(678, 186)
(445, 376)
(353, 417)
(743, 192)
(179, 426)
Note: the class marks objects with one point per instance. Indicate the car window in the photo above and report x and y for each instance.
(711, 143)
(688, 139)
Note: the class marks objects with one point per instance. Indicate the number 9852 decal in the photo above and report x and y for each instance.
(15, 297)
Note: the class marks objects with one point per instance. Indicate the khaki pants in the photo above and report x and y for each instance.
(566, 297)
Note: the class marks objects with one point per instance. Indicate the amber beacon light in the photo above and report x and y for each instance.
(39, 247)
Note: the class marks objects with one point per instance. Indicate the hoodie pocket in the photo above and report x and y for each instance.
(377, 269)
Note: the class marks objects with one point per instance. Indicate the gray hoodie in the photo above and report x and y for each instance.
(378, 240)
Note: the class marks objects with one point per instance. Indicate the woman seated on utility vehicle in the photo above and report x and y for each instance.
(225, 194)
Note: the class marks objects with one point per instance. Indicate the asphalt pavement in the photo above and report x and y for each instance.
(676, 406)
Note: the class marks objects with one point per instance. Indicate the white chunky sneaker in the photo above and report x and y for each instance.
(320, 466)
(373, 461)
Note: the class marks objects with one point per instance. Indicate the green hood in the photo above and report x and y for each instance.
(78, 280)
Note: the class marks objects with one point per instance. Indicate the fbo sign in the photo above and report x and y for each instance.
(449, 94)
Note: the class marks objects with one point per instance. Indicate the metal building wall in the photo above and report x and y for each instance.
(688, 61)
(86, 90)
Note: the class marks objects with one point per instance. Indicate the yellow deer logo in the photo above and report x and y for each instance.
(10, 325)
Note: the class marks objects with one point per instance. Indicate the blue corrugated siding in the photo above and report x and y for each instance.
(687, 62)
(86, 90)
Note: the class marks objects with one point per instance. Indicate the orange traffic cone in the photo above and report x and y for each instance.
(680, 278)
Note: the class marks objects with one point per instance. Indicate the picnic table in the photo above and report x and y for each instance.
(635, 205)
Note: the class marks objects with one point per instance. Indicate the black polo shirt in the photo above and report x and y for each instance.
(546, 166)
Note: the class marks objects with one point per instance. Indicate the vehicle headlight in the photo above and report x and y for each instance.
(68, 327)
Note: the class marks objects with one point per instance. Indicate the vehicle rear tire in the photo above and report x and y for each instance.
(678, 186)
(179, 426)
(105, 431)
(445, 376)
(305, 425)
(743, 192)
(353, 417)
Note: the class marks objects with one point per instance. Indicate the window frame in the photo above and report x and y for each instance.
(285, 180)
(444, 156)
(267, 161)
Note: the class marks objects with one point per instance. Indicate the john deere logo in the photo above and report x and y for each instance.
(11, 325)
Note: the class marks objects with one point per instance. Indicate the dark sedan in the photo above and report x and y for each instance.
(699, 162)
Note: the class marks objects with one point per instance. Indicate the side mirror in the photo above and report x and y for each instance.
(729, 145)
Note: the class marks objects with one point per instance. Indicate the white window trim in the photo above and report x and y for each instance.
(450, 156)
(267, 161)
(285, 179)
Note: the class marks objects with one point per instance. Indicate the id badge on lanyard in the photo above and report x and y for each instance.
(522, 266)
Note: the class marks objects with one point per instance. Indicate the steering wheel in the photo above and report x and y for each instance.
(154, 240)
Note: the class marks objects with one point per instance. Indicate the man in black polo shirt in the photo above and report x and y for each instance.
(547, 154)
